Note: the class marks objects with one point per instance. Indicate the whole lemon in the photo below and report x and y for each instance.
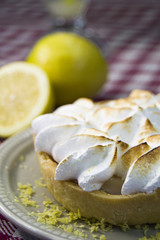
(75, 66)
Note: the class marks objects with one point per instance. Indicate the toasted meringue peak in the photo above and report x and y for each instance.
(49, 136)
(77, 143)
(84, 102)
(47, 120)
(79, 109)
(153, 114)
(153, 141)
(125, 130)
(91, 168)
(138, 93)
(93, 142)
(129, 157)
(94, 132)
(105, 115)
(142, 98)
(118, 103)
(143, 175)
(157, 99)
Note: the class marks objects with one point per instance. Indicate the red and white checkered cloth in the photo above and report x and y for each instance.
(8, 231)
(130, 30)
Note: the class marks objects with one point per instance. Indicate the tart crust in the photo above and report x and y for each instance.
(140, 208)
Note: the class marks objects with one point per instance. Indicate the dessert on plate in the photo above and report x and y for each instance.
(103, 158)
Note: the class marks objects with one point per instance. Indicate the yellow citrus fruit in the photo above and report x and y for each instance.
(25, 93)
(75, 66)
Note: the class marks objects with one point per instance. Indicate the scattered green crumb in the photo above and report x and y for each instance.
(25, 196)
(67, 228)
(94, 228)
(40, 183)
(157, 226)
(47, 202)
(105, 227)
(6, 167)
(56, 215)
(22, 166)
(16, 199)
(94, 236)
(80, 233)
(125, 227)
(103, 237)
(138, 226)
(156, 237)
(21, 158)
(79, 225)
(145, 229)
(74, 216)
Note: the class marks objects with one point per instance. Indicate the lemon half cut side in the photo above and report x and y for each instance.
(25, 93)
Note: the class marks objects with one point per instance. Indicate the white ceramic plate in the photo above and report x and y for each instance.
(14, 170)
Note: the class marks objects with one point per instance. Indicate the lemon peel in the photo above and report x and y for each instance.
(157, 226)
(102, 237)
(25, 93)
(54, 214)
(26, 192)
(75, 66)
(156, 237)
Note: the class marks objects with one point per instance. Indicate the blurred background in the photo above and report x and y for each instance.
(129, 33)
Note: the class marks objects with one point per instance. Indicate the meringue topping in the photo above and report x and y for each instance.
(95, 142)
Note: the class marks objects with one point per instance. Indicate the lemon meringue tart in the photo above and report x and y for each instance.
(103, 158)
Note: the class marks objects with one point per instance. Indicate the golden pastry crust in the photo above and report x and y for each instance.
(132, 209)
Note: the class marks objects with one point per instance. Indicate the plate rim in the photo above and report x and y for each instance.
(39, 230)
(5, 146)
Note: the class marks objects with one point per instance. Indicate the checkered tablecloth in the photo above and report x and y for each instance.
(130, 31)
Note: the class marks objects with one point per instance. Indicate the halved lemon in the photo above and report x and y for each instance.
(25, 93)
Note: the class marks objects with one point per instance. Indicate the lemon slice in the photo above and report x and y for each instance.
(25, 93)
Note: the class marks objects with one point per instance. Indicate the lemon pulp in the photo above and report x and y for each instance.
(25, 92)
